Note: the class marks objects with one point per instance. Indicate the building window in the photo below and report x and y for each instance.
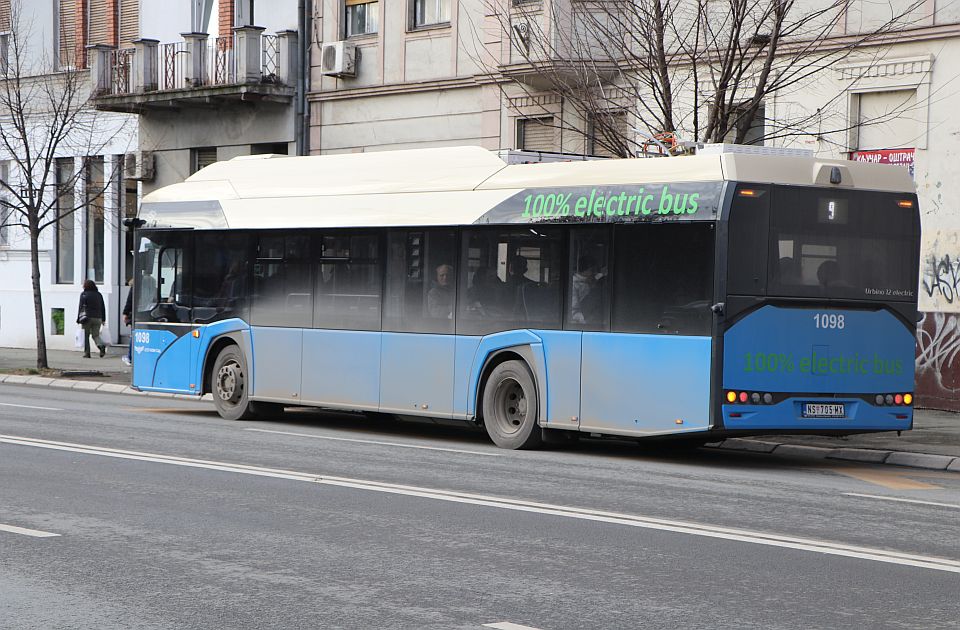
(755, 126)
(360, 17)
(95, 185)
(56, 321)
(430, 12)
(536, 134)
(270, 148)
(201, 158)
(65, 225)
(70, 51)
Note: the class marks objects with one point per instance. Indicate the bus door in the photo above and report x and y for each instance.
(163, 344)
(341, 352)
(650, 374)
(418, 345)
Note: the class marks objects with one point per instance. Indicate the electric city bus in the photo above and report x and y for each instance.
(692, 297)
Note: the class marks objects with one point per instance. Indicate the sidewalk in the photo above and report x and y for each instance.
(934, 442)
(21, 360)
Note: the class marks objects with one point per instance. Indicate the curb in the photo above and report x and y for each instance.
(863, 455)
(91, 386)
(906, 459)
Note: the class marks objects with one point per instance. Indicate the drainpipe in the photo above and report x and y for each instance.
(301, 111)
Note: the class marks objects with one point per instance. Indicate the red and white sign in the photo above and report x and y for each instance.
(903, 157)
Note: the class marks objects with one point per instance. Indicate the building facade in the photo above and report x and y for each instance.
(175, 87)
(88, 243)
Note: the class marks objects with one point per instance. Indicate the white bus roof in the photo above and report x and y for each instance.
(449, 186)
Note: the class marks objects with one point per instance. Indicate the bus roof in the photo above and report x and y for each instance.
(449, 186)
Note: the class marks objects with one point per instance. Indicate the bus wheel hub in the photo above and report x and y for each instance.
(227, 382)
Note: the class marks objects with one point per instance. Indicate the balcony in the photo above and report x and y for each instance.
(197, 72)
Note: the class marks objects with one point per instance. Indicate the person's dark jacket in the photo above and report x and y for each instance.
(128, 306)
(91, 304)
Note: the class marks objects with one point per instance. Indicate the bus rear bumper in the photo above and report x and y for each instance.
(859, 416)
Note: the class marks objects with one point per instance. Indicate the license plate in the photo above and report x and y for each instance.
(821, 410)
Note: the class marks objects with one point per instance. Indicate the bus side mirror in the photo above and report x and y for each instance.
(717, 309)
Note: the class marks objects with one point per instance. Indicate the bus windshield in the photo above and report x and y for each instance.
(842, 245)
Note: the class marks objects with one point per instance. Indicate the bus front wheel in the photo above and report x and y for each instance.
(510, 407)
(230, 383)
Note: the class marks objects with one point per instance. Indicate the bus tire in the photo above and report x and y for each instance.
(510, 409)
(229, 383)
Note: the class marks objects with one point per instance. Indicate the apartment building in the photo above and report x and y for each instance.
(175, 86)
(89, 243)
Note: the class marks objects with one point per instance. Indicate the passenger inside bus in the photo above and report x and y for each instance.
(440, 296)
(788, 271)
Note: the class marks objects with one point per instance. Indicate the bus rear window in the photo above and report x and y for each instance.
(842, 245)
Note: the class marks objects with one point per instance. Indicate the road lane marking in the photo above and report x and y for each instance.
(342, 439)
(30, 407)
(898, 499)
(36, 533)
(519, 505)
(506, 625)
(893, 480)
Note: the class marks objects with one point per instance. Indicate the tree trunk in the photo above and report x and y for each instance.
(37, 297)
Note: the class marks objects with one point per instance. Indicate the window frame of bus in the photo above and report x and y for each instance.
(224, 240)
(394, 303)
(261, 312)
(318, 259)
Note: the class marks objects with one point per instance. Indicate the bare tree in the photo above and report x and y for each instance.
(45, 115)
(703, 68)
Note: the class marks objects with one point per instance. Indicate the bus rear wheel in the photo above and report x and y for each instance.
(510, 408)
(229, 382)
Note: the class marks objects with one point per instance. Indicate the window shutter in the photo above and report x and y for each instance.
(129, 22)
(536, 134)
(204, 156)
(4, 15)
(100, 24)
(611, 126)
(68, 33)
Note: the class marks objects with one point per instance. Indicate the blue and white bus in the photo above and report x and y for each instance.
(695, 297)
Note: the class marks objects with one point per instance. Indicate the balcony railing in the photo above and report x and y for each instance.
(121, 67)
(173, 66)
(223, 60)
(246, 57)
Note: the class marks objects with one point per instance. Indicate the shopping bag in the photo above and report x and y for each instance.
(105, 336)
(78, 338)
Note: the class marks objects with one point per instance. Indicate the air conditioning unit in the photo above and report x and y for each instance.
(339, 59)
(139, 166)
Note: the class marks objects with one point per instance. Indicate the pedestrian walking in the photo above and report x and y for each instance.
(128, 320)
(91, 315)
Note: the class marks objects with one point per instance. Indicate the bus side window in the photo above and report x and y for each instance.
(348, 282)
(588, 291)
(421, 281)
(663, 278)
(509, 279)
(281, 281)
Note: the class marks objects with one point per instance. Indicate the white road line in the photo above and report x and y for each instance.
(899, 500)
(341, 439)
(36, 533)
(506, 625)
(30, 407)
(630, 520)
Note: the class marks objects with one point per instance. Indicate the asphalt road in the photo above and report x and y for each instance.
(167, 516)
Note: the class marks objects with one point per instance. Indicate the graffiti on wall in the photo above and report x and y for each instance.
(938, 335)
